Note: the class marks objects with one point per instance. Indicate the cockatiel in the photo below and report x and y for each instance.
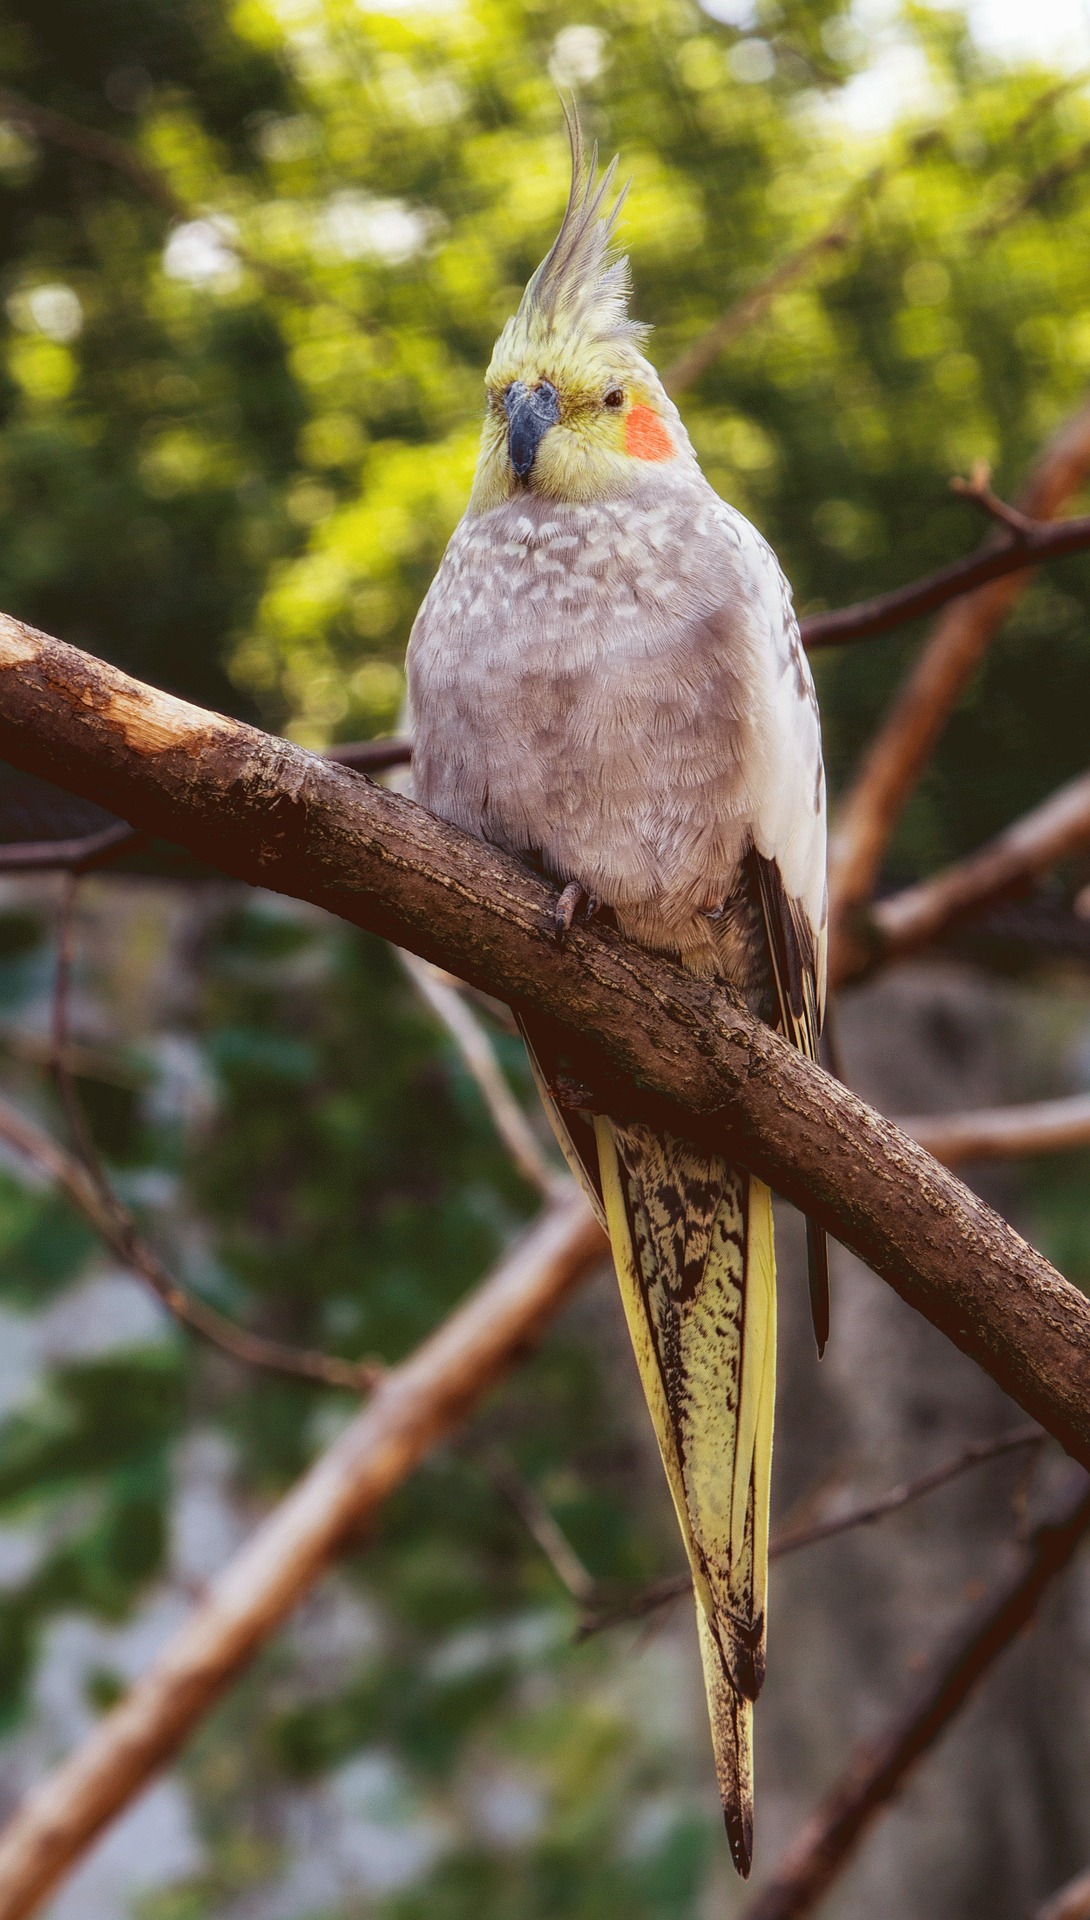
(606, 679)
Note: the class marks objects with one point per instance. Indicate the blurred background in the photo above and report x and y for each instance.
(253, 256)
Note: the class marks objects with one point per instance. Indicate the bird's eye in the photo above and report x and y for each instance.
(614, 398)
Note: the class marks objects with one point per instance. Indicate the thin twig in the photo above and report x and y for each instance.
(1031, 195)
(82, 1177)
(973, 1455)
(58, 130)
(751, 305)
(755, 302)
(541, 1525)
(418, 1404)
(82, 854)
(33, 1145)
(478, 1055)
(372, 756)
(878, 1767)
(978, 489)
(1042, 540)
(792, 1539)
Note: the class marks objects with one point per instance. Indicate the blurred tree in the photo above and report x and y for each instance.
(252, 261)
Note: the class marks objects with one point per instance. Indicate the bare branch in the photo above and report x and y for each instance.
(57, 130)
(372, 756)
(904, 742)
(792, 1539)
(750, 306)
(755, 302)
(1072, 1902)
(1040, 541)
(477, 1052)
(84, 854)
(878, 1767)
(541, 1525)
(1004, 1133)
(913, 918)
(649, 1037)
(83, 1181)
(978, 489)
(118, 1231)
(415, 1406)
(1031, 195)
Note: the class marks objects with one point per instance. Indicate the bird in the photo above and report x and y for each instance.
(606, 680)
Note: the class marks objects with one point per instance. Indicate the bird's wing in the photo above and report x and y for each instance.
(797, 965)
(787, 867)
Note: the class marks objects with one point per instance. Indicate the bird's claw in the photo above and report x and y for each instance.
(574, 903)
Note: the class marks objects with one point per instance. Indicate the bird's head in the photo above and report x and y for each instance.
(575, 411)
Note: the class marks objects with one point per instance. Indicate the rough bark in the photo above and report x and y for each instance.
(652, 1036)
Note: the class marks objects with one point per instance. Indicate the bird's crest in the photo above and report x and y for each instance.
(582, 285)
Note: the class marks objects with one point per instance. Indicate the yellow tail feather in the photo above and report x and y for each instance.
(693, 1246)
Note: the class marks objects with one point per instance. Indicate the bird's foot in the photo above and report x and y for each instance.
(575, 903)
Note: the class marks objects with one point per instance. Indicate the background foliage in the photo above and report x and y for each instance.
(238, 409)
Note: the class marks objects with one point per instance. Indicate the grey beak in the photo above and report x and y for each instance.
(531, 411)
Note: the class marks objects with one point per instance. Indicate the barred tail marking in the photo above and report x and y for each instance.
(693, 1245)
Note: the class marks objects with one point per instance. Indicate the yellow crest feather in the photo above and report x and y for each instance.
(582, 285)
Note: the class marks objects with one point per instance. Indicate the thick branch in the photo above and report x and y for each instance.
(878, 1768)
(903, 744)
(414, 1407)
(650, 1036)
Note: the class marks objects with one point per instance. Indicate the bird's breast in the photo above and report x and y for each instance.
(569, 707)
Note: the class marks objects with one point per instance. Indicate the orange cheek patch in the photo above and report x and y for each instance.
(645, 436)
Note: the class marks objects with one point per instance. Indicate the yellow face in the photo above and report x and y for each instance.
(570, 427)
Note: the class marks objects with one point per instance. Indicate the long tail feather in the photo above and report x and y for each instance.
(693, 1245)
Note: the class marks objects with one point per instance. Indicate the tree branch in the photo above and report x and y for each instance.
(904, 742)
(913, 918)
(1004, 1133)
(416, 1405)
(1072, 1902)
(1042, 540)
(476, 1050)
(1031, 195)
(650, 1038)
(112, 1224)
(878, 1768)
(750, 306)
(58, 130)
